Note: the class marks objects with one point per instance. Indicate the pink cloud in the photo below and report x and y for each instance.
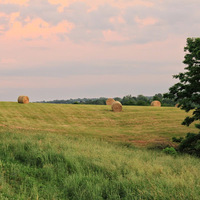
(19, 2)
(38, 28)
(111, 36)
(146, 21)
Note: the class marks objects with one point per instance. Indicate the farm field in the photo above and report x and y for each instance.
(137, 125)
(51, 151)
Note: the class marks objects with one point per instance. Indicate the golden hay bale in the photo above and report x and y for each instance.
(156, 103)
(109, 101)
(23, 99)
(116, 106)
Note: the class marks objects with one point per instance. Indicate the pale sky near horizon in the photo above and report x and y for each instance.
(61, 49)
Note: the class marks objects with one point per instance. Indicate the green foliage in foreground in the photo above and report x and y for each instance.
(170, 151)
(49, 166)
(191, 144)
(187, 91)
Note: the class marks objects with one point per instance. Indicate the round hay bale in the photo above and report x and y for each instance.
(109, 101)
(23, 99)
(156, 103)
(116, 106)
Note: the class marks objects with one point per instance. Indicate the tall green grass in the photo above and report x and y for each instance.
(64, 167)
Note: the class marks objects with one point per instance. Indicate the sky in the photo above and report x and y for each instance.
(62, 49)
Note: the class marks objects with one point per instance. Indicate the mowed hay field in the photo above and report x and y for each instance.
(135, 124)
(51, 151)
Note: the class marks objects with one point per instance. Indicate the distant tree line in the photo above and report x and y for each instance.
(140, 100)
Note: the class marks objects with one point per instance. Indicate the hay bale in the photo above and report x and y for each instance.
(116, 106)
(156, 103)
(109, 101)
(23, 99)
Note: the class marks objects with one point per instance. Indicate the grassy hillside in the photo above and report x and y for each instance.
(136, 125)
(77, 152)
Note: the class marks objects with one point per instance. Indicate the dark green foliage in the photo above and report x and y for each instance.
(170, 151)
(142, 103)
(191, 144)
(168, 102)
(163, 101)
(118, 99)
(178, 140)
(187, 93)
(129, 100)
(142, 100)
(158, 97)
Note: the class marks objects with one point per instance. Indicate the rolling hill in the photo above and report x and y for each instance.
(51, 151)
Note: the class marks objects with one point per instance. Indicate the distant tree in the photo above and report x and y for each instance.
(118, 99)
(187, 93)
(142, 100)
(100, 101)
(142, 103)
(128, 100)
(158, 97)
(168, 102)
